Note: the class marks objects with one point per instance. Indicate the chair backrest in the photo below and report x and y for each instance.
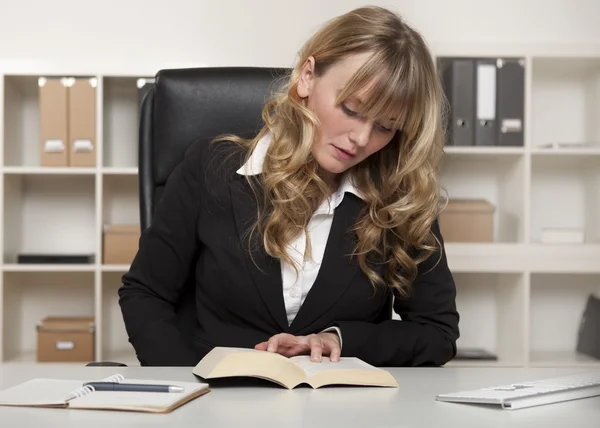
(185, 105)
(195, 103)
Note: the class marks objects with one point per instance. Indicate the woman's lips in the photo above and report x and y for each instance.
(343, 154)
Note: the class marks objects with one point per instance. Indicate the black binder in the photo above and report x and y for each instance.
(458, 77)
(486, 90)
(588, 339)
(511, 101)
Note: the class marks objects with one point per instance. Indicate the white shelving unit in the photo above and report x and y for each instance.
(64, 210)
(517, 297)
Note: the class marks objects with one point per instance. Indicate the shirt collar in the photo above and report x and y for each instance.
(254, 166)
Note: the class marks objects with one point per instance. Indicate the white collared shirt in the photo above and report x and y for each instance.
(296, 288)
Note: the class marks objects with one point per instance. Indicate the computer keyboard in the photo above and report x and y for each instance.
(532, 393)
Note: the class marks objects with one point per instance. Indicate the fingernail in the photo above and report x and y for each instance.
(270, 348)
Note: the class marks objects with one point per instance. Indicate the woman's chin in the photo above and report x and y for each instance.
(333, 166)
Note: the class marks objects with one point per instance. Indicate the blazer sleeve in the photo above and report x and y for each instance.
(155, 280)
(428, 330)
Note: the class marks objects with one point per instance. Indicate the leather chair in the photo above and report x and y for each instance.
(185, 105)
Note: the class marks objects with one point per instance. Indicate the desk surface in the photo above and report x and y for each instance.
(256, 403)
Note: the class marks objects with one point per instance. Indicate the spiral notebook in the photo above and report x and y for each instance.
(71, 394)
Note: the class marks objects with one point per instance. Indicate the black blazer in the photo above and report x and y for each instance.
(199, 226)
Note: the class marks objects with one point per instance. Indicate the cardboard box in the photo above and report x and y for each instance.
(82, 122)
(65, 339)
(121, 243)
(53, 106)
(467, 220)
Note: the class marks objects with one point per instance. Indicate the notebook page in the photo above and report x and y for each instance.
(141, 401)
(39, 392)
(345, 363)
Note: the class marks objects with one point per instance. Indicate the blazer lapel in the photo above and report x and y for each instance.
(264, 269)
(338, 268)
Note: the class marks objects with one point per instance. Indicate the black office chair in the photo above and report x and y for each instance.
(185, 105)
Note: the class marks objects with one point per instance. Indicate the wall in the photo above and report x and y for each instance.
(263, 32)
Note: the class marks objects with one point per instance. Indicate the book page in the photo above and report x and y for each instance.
(347, 371)
(243, 362)
(39, 392)
(216, 356)
(140, 401)
(346, 363)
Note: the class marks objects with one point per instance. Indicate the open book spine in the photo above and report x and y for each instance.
(86, 390)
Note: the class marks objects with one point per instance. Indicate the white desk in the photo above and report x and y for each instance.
(259, 404)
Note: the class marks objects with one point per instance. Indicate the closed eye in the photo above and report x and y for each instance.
(349, 112)
(383, 128)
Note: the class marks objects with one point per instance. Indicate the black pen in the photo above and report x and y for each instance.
(132, 387)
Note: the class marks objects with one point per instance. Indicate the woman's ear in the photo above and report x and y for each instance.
(307, 76)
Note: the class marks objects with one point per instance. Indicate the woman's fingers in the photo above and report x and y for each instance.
(262, 346)
(315, 343)
(293, 351)
(277, 343)
(331, 345)
(334, 353)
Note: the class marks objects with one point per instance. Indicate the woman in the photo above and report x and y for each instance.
(299, 239)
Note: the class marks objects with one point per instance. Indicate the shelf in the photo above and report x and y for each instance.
(14, 267)
(31, 296)
(29, 357)
(492, 312)
(115, 268)
(476, 363)
(565, 195)
(500, 180)
(562, 359)
(561, 258)
(493, 258)
(132, 170)
(515, 258)
(121, 119)
(542, 50)
(557, 302)
(41, 170)
(483, 151)
(565, 100)
(48, 214)
(566, 151)
(517, 297)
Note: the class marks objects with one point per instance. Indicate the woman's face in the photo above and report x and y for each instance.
(344, 138)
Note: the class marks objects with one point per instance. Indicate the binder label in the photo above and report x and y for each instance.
(486, 92)
(54, 146)
(511, 125)
(83, 146)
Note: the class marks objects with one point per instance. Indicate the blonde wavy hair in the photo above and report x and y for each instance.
(398, 183)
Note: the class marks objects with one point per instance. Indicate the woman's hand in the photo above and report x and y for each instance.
(317, 345)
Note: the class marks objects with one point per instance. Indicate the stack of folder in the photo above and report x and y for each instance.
(68, 113)
(67, 121)
(486, 100)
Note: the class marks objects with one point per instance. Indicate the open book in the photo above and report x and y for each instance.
(290, 372)
(59, 393)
